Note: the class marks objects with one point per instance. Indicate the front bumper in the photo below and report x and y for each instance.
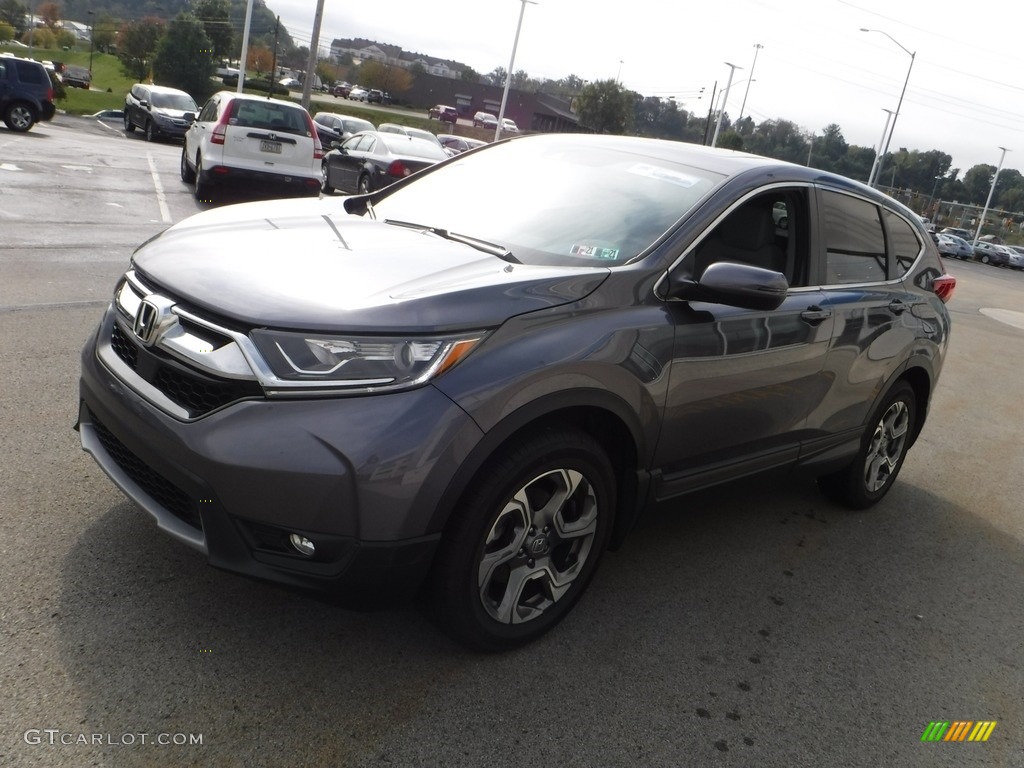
(361, 477)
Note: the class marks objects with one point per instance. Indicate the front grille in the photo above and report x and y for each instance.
(197, 393)
(167, 494)
(123, 347)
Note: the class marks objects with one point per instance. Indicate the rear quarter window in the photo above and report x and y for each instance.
(904, 246)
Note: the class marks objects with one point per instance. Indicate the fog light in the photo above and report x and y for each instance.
(302, 545)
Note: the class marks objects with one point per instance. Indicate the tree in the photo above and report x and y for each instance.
(50, 14)
(104, 34)
(7, 31)
(215, 16)
(605, 107)
(66, 39)
(469, 75)
(14, 13)
(497, 76)
(136, 44)
(259, 59)
(385, 77)
(978, 182)
(184, 57)
(40, 38)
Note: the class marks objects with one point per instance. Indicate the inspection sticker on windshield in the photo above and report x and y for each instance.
(664, 174)
(594, 252)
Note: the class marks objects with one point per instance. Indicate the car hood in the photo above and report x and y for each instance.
(307, 264)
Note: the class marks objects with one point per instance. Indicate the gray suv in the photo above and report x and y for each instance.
(26, 93)
(476, 395)
(158, 111)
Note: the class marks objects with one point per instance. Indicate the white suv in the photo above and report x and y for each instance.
(252, 140)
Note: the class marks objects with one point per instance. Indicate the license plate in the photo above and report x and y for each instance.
(271, 146)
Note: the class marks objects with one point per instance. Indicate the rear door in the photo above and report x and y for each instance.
(864, 253)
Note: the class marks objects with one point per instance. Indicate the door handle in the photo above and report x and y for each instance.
(815, 314)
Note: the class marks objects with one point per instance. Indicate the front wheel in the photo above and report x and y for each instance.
(525, 540)
(883, 448)
(985, 259)
(129, 126)
(149, 130)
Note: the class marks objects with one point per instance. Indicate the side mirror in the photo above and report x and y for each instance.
(144, 104)
(190, 117)
(735, 285)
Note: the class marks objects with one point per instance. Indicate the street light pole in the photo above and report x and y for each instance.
(988, 202)
(757, 48)
(728, 85)
(92, 34)
(511, 64)
(878, 152)
(899, 104)
(618, 76)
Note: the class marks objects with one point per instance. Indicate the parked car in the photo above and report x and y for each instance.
(1016, 256)
(244, 139)
(478, 394)
(76, 77)
(159, 111)
(954, 247)
(334, 129)
(484, 120)
(358, 94)
(406, 130)
(26, 93)
(340, 89)
(958, 231)
(375, 96)
(990, 253)
(509, 126)
(444, 113)
(452, 144)
(372, 160)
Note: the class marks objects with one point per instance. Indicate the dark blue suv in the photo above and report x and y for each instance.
(26, 93)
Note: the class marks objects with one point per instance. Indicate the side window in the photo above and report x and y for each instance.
(854, 240)
(209, 113)
(904, 245)
(770, 230)
(30, 72)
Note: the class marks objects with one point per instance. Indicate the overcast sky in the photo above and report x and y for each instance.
(965, 95)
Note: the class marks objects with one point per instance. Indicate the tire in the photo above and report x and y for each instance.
(150, 136)
(363, 186)
(525, 541)
(883, 448)
(326, 187)
(19, 117)
(985, 259)
(129, 126)
(187, 174)
(202, 184)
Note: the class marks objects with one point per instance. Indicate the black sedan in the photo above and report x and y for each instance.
(370, 160)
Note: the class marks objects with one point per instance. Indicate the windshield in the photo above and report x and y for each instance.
(554, 202)
(180, 101)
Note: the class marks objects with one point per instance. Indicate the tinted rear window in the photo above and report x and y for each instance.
(269, 116)
(31, 73)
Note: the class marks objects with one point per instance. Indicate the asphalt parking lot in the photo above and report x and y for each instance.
(756, 625)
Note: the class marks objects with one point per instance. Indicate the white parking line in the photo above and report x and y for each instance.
(161, 198)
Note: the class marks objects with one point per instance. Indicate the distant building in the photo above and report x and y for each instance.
(370, 50)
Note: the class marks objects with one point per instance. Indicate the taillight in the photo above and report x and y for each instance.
(943, 287)
(318, 148)
(398, 169)
(221, 128)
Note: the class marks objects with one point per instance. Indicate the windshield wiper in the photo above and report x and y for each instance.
(481, 245)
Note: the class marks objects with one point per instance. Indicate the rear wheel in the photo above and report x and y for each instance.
(526, 540)
(364, 184)
(883, 448)
(187, 174)
(202, 184)
(19, 117)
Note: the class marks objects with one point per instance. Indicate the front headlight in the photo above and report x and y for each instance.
(303, 360)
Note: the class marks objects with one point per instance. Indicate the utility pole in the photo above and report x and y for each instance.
(314, 47)
(725, 100)
(757, 48)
